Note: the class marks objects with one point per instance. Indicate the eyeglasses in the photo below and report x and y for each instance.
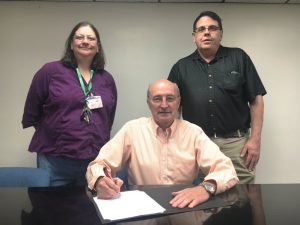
(159, 98)
(211, 28)
(82, 37)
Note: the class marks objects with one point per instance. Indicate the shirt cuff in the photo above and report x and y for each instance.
(96, 171)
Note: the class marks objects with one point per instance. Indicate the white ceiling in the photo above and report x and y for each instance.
(183, 1)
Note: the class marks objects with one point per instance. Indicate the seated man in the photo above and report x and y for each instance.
(162, 150)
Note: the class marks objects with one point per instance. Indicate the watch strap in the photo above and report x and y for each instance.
(209, 187)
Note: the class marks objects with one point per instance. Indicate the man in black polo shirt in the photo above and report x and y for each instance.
(222, 92)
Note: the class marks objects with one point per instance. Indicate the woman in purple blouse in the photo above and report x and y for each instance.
(71, 104)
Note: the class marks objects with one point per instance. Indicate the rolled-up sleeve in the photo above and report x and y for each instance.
(94, 171)
(111, 155)
(215, 164)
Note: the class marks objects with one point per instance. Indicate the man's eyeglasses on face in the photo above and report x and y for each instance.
(82, 37)
(159, 98)
(211, 28)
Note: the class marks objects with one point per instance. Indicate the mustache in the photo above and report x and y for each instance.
(164, 111)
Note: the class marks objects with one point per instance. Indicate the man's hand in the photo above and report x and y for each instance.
(108, 188)
(251, 151)
(189, 197)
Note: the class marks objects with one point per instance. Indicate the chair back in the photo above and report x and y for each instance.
(123, 174)
(24, 177)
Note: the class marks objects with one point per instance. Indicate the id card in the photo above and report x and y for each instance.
(94, 102)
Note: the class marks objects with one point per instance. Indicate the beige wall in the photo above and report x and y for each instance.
(142, 41)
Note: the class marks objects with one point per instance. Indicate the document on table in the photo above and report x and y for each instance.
(128, 204)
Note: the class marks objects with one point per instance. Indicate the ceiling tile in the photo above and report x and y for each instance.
(126, 1)
(203, 1)
(294, 1)
(255, 1)
(177, 1)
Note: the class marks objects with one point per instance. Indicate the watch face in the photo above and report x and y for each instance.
(210, 188)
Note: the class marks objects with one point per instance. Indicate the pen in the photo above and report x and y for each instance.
(107, 174)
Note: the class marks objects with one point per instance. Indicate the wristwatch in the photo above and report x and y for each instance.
(209, 187)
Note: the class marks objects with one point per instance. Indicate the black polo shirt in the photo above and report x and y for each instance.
(216, 95)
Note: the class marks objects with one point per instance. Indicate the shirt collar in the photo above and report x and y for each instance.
(220, 54)
(170, 131)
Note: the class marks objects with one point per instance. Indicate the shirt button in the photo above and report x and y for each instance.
(210, 87)
(209, 75)
(210, 100)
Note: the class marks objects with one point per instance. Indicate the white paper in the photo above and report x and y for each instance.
(128, 204)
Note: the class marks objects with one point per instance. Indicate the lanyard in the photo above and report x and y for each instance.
(90, 85)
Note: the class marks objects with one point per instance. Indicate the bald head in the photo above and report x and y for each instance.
(163, 101)
(163, 83)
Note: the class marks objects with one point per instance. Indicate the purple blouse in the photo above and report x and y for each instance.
(54, 105)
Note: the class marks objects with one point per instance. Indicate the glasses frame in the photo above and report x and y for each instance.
(159, 98)
(210, 28)
(83, 37)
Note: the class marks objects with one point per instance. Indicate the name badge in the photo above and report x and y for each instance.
(94, 102)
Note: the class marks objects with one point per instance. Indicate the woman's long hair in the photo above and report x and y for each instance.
(69, 59)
